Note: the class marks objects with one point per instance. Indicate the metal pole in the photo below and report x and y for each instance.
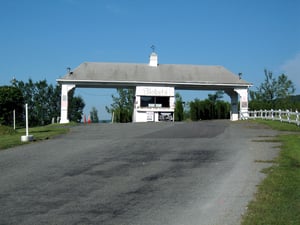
(26, 114)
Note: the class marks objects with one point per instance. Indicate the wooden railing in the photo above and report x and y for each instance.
(280, 115)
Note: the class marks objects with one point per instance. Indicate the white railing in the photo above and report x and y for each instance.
(280, 115)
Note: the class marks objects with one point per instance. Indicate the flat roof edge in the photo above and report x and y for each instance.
(93, 83)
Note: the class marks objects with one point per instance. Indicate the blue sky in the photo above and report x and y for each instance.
(39, 39)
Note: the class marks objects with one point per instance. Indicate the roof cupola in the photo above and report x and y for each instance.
(153, 58)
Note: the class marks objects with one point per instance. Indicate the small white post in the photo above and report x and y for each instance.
(112, 117)
(26, 115)
(272, 114)
(27, 137)
(14, 116)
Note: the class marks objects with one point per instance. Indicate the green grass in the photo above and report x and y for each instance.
(277, 201)
(6, 130)
(10, 137)
(277, 125)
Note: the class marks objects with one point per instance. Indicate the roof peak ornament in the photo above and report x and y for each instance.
(153, 48)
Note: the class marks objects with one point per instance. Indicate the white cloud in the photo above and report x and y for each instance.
(291, 68)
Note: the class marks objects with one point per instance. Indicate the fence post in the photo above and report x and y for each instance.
(288, 115)
(272, 114)
(261, 114)
(280, 115)
(297, 117)
(266, 114)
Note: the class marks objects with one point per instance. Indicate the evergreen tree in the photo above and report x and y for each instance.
(11, 99)
(75, 107)
(94, 115)
(178, 108)
(210, 108)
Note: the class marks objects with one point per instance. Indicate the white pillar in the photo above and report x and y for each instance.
(234, 113)
(235, 95)
(65, 88)
(243, 93)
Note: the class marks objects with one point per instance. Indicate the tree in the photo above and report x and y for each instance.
(75, 107)
(273, 88)
(44, 101)
(217, 96)
(195, 110)
(54, 93)
(11, 99)
(285, 87)
(178, 108)
(213, 100)
(28, 91)
(271, 92)
(94, 115)
(122, 106)
(210, 108)
(41, 101)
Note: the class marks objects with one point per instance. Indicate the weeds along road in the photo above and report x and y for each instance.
(143, 173)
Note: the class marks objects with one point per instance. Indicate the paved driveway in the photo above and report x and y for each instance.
(145, 173)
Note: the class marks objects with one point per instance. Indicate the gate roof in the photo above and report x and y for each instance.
(201, 77)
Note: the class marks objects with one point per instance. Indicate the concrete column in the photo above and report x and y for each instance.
(235, 95)
(243, 93)
(136, 102)
(65, 88)
(234, 113)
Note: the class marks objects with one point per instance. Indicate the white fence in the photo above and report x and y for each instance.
(280, 115)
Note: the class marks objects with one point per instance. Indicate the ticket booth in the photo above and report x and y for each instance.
(154, 104)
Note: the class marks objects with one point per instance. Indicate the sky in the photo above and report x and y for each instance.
(39, 39)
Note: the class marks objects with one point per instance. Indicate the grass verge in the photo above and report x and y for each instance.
(10, 138)
(277, 125)
(277, 201)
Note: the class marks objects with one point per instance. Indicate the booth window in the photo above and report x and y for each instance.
(155, 101)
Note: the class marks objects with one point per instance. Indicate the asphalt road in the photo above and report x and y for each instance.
(136, 174)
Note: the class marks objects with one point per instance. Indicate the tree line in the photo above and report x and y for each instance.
(213, 107)
(43, 101)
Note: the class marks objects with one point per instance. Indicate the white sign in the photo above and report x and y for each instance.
(150, 116)
(155, 91)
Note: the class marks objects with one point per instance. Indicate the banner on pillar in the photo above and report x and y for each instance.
(64, 103)
(244, 104)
